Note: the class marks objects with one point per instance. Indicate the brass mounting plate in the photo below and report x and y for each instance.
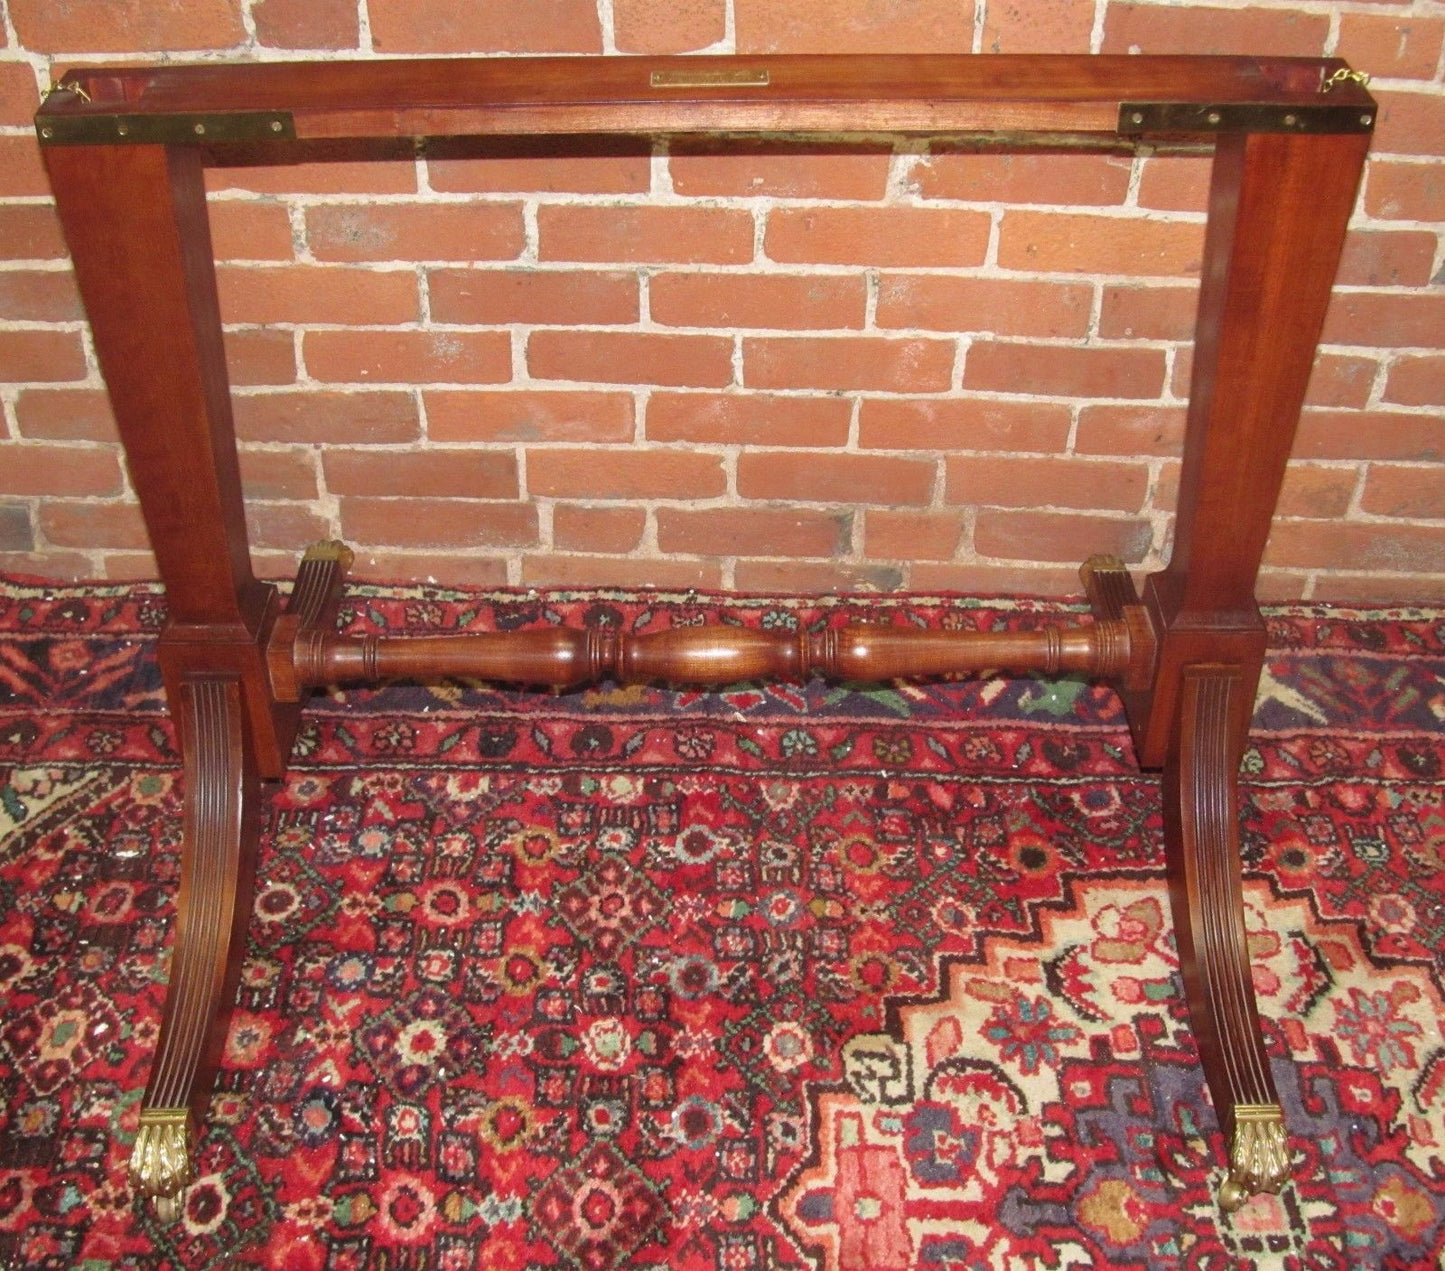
(106, 129)
(1334, 117)
(705, 78)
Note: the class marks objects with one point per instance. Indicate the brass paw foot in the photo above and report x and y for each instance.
(1258, 1157)
(160, 1164)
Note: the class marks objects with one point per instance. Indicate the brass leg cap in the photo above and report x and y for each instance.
(160, 1164)
(1258, 1157)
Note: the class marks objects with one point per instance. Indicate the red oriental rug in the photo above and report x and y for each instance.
(828, 976)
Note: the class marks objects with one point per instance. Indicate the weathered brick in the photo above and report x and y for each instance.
(1009, 481)
(1063, 371)
(16, 532)
(980, 579)
(820, 477)
(655, 235)
(962, 424)
(1400, 190)
(307, 24)
(1387, 258)
(1392, 46)
(452, 569)
(1130, 430)
(1391, 320)
(1410, 123)
(817, 302)
(92, 524)
(1396, 490)
(250, 229)
(1353, 434)
(1061, 242)
(1148, 313)
(608, 571)
(419, 522)
(408, 357)
(415, 231)
(1010, 534)
(1339, 380)
(848, 362)
(752, 531)
(706, 168)
(65, 414)
(566, 165)
(813, 578)
(286, 526)
(1337, 544)
(39, 295)
(1417, 381)
(529, 415)
(374, 418)
(938, 302)
(433, 474)
(337, 174)
(580, 528)
(854, 26)
(126, 26)
(21, 172)
(19, 94)
(317, 293)
(456, 26)
(1149, 28)
(533, 297)
(67, 470)
(1037, 26)
(1175, 183)
(909, 535)
(674, 473)
(260, 356)
(896, 236)
(626, 357)
(1376, 588)
(30, 231)
(279, 474)
(748, 419)
(28, 357)
(1312, 489)
(667, 26)
(990, 176)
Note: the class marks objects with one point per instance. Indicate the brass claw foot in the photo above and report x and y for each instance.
(1258, 1157)
(160, 1164)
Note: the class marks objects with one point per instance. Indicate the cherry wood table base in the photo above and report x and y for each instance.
(126, 149)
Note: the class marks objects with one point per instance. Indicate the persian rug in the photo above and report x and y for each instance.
(822, 976)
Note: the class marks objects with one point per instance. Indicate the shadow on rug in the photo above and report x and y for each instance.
(788, 976)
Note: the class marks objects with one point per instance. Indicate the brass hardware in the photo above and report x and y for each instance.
(703, 78)
(91, 128)
(160, 1163)
(1187, 117)
(1345, 76)
(65, 88)
(1259, 1156)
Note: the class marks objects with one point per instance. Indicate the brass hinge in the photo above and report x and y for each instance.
(1187, 117)
(90, 128)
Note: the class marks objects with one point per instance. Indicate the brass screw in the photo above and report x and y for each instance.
(1367, 120)
(200, 129)
(1290, 121)
(1137, 117)
(122, 129)
(47, 132)
(275, 125)
(1214, 116)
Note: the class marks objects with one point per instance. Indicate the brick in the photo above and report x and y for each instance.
(1337, 544)
(260, 356)
(419, 522)
(19, 94)
(812, 578)
(1338, 380)
(65, 414)
(854, 26)
(748, 419)
(667, 26)
(416, 231)
(614, 530)
(814, 477)
(841, 363)
(1395, 490)
(897, 236)
(706, 168)
(408, 357)
(618, 357)
(1386, 320)
(327, 294)
(962, 424)
(1147, 28)
(21, 171)
(632, 573)
(70, 470)
(985, 176)
(1403, 46)
(126, 26)
(1410, 123)
(529, 415)
(892, 534)
(432, 474)
(1350, 434)
(1417, 381)
(250, 229)
(1387, 258)
(673, 473)
(51, 563)
(564, 165)
(1312, 489)
(1130, 430)
(39, 295)
(307, 24)
(1165, 497)
(16, 532)
(1058, 242)
(1062, 371)
(1006, 481)
(1404, 191)
(1378, 589)
(752, 531)
(1175, 183)
(30, 231)
(1009, 534)
(972, 579)
(370, 418)
(331, 172)
(467, 569)
(936, 302)
(39, 356)
(1037, 26)
(534, 297)
(279, 474)
(816, 302)
(1148, 313)
(456, 26)
(92, 525)
(288, 526)
(654, 235)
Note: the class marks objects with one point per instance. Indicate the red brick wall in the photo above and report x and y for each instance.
(779, 368)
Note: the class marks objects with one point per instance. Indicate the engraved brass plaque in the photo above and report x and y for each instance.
(703, 78)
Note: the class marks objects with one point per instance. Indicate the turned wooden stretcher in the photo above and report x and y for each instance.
(125, 150)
